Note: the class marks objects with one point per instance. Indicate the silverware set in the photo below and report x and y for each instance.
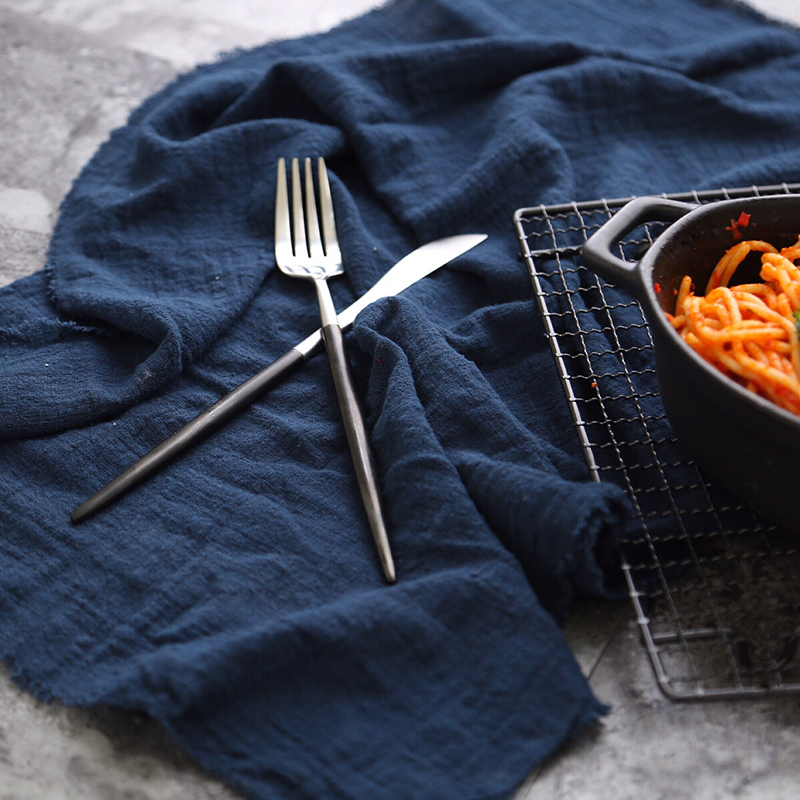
(306, 246)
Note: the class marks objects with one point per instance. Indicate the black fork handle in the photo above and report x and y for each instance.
(358, 442)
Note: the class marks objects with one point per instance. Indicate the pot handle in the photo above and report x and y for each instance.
(597, 250)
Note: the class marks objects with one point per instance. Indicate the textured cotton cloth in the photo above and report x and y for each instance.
(236, 596)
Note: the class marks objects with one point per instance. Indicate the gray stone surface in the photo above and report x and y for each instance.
(54, 752)
(70, 71)
(653, 748)
(61, 92)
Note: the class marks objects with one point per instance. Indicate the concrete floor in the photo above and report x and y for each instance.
(70, 71)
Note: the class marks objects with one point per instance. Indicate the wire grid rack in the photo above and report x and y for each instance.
(715, 589)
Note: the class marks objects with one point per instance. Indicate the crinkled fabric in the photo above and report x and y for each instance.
(236, 596)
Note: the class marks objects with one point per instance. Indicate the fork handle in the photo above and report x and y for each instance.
(358, 442)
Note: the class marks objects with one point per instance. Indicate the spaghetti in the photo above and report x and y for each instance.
(748, 331)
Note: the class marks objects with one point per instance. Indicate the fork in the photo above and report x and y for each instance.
(301, 252)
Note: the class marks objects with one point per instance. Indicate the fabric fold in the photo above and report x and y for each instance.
(557, 528)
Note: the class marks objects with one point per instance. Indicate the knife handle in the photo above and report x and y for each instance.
(358, 442)
(204, 423)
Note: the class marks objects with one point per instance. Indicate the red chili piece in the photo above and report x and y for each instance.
(742, 222)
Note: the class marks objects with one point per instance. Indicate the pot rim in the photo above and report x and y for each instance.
(653, 308)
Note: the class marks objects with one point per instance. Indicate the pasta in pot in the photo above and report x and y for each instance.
(748, 331)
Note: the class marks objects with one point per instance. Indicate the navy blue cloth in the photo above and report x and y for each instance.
(236, 596)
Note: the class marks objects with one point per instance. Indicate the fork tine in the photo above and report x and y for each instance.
(326, 210)
(300, 245)
(283, 231)
(312, 222)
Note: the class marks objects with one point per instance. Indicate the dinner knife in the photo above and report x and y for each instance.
(406, 272)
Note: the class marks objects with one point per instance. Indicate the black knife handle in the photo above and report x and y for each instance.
(204, 423)
(358, 442)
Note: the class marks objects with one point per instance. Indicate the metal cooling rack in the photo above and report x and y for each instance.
(715, 589)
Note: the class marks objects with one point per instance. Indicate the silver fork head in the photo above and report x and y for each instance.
(300, 249)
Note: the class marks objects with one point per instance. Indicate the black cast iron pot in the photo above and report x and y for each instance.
(743, 443)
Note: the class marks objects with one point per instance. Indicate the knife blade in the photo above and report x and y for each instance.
(406, 272)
